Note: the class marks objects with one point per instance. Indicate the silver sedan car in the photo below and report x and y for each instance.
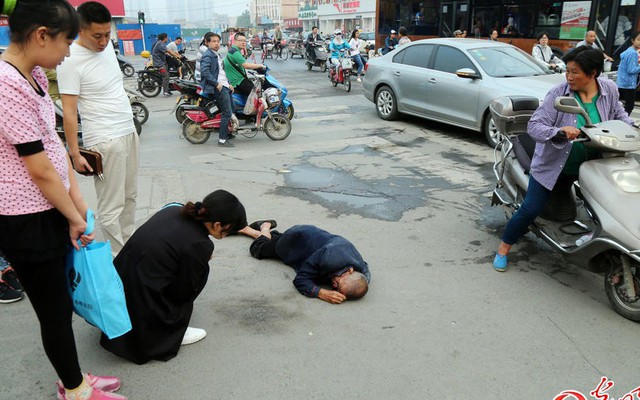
(453, 81)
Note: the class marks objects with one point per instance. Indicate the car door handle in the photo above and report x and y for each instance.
(432, 80)
(397, 73)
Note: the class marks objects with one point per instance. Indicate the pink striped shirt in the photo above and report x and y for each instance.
(26, 117)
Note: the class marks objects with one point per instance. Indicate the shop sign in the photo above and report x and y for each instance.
(308, 12)
(338, 7)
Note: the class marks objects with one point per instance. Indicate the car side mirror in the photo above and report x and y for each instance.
(468, 73)
(571, 106)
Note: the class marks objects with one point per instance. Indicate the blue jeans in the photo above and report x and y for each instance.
(223, 100)
(358, 60)
(532, 207)
(3, 262)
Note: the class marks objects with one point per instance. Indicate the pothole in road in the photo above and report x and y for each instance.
(359, 180)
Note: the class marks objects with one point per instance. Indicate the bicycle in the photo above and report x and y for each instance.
(281, 52)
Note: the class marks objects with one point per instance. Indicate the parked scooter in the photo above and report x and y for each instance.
(592, 222)
(201, 121)
(342, 71)
(125, 66)
(140, 111)
(321, 57)
(57, 105)
(189, 96)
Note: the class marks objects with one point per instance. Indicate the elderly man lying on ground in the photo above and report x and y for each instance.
(317, 256)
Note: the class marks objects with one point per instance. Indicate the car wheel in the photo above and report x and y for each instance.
(491, 133)
(386, 104)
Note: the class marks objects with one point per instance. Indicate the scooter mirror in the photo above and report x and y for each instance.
(571, 106)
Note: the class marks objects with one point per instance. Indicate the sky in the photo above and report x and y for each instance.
(163, 11)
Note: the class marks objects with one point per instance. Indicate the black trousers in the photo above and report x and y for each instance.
(36, 245)
(244, 88)
(46, 286)
(628, 96)
(263, 247)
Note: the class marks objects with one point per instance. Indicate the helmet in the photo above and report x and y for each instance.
(337, 32)
(272, 96)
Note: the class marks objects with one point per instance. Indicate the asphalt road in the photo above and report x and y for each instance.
(437, 323)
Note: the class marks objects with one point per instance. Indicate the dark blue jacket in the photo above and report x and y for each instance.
(317, 256)
(209, 72)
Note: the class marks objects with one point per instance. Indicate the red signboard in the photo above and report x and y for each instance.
(129, 34)
(116, 7)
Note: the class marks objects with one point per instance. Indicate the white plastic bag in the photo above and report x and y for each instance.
(249, 107)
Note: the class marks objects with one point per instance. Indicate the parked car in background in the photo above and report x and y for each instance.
(368, 37)
(453, 81)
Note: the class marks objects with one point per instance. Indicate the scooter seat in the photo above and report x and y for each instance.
(524, 147)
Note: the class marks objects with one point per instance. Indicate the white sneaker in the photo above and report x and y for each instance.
(358, 80)
(193, 335)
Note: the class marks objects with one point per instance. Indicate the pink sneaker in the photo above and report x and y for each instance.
(102, 383)
(98, 394)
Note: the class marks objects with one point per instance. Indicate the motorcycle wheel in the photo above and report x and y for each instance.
(180, 114)
(194, 133)
(289, 112)
(149, 87)
(334, 81)
(128, 70)
(309, 66)
(323, 68)
(615, 285)
(284, 54)
(347, 83)
(140, 111)
(277, 127)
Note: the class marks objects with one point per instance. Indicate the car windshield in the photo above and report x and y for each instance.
(507, 62)
(366, 36)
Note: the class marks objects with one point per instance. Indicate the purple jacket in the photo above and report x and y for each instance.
(551, 155)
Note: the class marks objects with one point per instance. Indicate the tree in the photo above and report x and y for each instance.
(244, 20)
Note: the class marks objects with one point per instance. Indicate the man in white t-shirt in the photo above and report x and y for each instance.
(173, 55)
(90, 82)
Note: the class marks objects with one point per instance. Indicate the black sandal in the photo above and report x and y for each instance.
(258, 224)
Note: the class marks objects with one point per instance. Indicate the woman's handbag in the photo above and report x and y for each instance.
(96, 289)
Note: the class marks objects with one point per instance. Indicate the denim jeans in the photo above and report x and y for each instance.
(358, 60)
(3, 262)
(223, 99)
(532, 207)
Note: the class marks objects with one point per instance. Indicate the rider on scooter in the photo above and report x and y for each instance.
(556, 157)
(336, 46)
(235, 65)
(314, 39)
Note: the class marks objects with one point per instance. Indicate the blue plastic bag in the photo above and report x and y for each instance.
(96, 288)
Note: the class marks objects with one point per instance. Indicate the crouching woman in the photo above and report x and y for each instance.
(164, 267)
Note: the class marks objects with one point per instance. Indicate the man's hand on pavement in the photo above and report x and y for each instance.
(331, 296)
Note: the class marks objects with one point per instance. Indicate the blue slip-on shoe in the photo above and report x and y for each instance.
(500, 263)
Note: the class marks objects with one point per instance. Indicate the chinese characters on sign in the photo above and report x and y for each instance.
(599, 393)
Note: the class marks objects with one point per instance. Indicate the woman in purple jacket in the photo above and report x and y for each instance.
(555, 157)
